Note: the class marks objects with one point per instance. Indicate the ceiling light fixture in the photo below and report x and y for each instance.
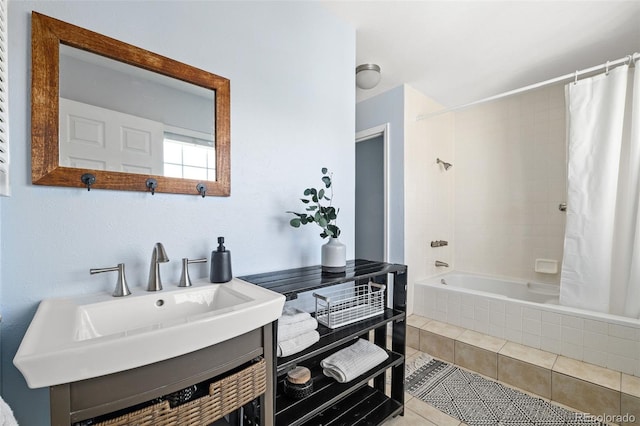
(367, 76)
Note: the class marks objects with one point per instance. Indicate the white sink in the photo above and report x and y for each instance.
(76, 339)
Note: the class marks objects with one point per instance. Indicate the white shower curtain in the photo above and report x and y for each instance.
(601, 264)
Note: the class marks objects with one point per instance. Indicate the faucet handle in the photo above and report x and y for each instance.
(121, 285)
(439, 243)
(185, 281)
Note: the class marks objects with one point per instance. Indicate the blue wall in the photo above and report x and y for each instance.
(388, 107)
(291, 66)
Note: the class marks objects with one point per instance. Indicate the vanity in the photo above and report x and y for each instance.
(106, 357)
(132, 393)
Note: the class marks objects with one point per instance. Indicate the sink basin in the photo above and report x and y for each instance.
(74, 339)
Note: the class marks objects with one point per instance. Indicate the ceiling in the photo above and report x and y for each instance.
(456, 52)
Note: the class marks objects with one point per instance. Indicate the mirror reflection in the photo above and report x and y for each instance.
(121, 118)
(173, 125)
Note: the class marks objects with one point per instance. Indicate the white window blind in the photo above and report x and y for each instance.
(4, 101)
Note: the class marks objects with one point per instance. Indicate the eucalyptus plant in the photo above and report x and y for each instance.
(318, 208)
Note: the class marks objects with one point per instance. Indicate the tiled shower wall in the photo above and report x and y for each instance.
(510, 176)
(428, 188)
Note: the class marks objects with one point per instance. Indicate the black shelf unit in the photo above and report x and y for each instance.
(364, 400)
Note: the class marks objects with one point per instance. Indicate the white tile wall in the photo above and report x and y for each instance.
(550, 344)
(612, 345)
(428, 192)
(510, 178)
(595, 357)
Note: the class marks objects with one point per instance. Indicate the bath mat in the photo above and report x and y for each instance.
(477, 401)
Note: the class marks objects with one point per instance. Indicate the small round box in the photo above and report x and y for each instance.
(298, 391)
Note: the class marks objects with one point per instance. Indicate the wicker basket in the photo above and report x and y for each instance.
(225, 395)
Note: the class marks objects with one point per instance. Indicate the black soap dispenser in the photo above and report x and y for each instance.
(220, 264)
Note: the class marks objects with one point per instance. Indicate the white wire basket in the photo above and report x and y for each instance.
(335, 308)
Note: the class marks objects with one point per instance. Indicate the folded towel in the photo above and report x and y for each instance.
(352, 361)
(288, 331)
(6, 415)
(292, 315)
(298, 343)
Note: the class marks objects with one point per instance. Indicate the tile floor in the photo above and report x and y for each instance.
(585, 387)
(419, 413)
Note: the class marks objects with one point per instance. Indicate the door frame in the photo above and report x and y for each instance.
(365, 135)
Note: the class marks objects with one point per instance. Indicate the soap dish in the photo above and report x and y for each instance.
(546, 266)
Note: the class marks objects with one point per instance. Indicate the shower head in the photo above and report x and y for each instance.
(444, 164)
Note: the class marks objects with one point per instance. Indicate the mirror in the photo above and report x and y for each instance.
(95, 98)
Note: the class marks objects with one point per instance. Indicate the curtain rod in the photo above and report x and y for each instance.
(574, 75)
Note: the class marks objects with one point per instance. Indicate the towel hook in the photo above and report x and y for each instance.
(202, 189)
(88, 179)
(152, 184)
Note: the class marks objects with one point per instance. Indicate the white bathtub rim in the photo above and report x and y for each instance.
(489, 276)
(433, 281)
(529, 285)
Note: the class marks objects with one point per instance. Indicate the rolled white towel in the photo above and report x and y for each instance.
(288, 331)
(6, 415)
(298, 343)
(352, 361)
(292, 315)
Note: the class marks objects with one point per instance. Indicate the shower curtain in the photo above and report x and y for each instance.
(601, 264)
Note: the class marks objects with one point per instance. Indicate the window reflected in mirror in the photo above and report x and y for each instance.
(189, 157)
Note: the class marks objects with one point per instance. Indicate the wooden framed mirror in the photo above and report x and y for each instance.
(56, 43)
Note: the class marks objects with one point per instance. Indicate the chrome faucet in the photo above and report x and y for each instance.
(121, 285)
(185, 281)
(439, 263)
(157, 257)
(439, 243)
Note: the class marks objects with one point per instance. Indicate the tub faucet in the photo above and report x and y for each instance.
(157, 257)
(439, 263)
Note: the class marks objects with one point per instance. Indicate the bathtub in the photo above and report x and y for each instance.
(528, 313)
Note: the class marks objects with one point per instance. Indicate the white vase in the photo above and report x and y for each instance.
(334, 256)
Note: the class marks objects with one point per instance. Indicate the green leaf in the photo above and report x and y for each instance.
(321, 194)
(335, 231)
(324, 170)
(322, 222)
(304, 200)
(312, 208)
(307, 191)
(295, 222)
(331, 213)
(327, 181)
